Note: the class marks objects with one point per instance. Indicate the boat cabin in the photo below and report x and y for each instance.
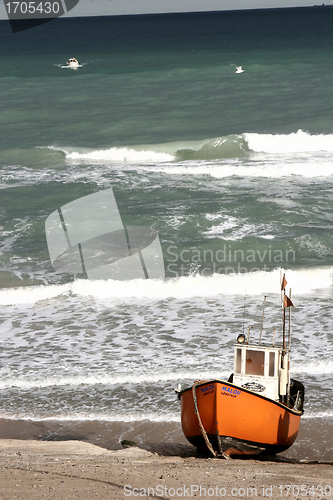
(260, 369)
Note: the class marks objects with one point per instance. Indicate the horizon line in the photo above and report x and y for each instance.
(299, 7)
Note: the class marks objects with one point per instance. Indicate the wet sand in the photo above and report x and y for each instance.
(314, 441)
(76, 470)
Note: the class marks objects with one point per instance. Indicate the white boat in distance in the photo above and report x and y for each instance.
(72, 63)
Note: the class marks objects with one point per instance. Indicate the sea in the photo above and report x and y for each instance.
(232, 170)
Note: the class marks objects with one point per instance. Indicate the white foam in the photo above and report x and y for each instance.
(233, 229)
(310, 167)
(318, 414)
(303, 155)
(318, 367)
(32, 294)
(297, 142)
(127, 417)
(302, 281)
(100, 417)
(121, 155)
(107, 380)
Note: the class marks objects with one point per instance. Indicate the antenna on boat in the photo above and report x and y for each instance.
(244, 312)
(283, 299)
(262, 319)
(286, 302)
(289, 342)
(283, 372)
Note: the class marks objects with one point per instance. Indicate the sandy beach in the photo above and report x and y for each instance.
(31, 469)
(68, 459)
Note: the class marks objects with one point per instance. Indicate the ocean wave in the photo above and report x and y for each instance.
(297, 142)
(32, 294)
(318, 367)
(126, 416)
(232, 146)
(247, 155)
(318, 415)
(107, 380)
(304, 281)
(225, 147)
(127, 155)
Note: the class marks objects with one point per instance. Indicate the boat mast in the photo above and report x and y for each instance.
(284, 347)
(262, 319)
(289, 342)
(283, 299)
(286, 302)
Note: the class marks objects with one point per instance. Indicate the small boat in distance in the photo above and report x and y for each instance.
(257, 410)
(73, 63)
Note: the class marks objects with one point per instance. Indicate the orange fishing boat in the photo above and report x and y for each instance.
(258, 410)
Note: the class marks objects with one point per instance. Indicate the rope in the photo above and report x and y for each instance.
(203, 431)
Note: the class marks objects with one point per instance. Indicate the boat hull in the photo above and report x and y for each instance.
(237, 420)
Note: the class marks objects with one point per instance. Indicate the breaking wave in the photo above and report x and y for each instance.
(106, 380)
(305, 281)
(231, 146)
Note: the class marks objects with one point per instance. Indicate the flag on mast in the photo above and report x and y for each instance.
(284, 282)
(287, 302)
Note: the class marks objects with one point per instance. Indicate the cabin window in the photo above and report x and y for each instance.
(238, 360)
(255, 363)
(271, 371)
